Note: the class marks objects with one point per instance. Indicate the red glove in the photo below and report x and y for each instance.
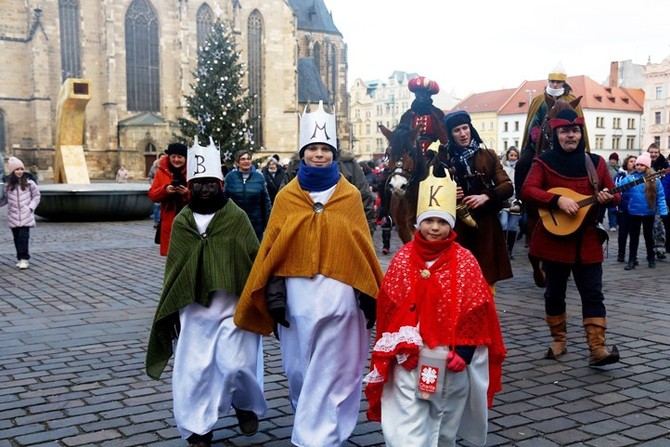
(411, 362)
(455, 362)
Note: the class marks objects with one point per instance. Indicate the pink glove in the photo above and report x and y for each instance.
(455, 362)
(411, 362)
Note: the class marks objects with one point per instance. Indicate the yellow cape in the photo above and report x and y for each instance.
(300, 242)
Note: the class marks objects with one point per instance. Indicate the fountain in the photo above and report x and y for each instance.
(73, 197)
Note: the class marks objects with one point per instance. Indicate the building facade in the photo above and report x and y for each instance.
(657, 105)
(140, 56)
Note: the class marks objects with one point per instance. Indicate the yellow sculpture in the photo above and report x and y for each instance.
(70, 163)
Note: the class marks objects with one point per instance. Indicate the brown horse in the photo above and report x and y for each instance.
(407, 167)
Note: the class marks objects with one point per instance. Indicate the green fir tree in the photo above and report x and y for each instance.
(219, 105)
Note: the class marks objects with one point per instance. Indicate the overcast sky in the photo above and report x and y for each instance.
(480, 45)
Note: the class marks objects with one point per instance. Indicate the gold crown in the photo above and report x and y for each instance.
(558, 73)
(437, 195)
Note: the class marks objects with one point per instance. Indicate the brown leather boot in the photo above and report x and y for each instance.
(558, 327)
(595, 337)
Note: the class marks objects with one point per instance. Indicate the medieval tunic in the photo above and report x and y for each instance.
(216, 364)
(324, 257)
(434, 306)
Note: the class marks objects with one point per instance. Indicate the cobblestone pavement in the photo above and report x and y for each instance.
(73, 329)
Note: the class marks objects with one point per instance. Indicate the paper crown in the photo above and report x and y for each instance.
(558, 73)
(437, 198)
(203, 161)
(318, 127)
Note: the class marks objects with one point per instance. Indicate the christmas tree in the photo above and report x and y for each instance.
(219, 104)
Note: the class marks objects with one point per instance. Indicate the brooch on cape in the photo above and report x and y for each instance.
(425, 274)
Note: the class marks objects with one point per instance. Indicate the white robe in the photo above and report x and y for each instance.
(216, 364)
(324, 354)
(461, 411)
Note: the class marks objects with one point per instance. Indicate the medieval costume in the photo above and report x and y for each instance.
(434, 303)
(315, 267)
(478, 171)
(580, 252)
(217, 366)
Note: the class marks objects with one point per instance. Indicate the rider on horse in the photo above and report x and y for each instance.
(428, 118)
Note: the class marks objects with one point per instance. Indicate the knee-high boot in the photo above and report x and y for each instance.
(595, 337)
(559, 332)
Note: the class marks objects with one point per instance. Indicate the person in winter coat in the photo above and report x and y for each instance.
(658, 163)
(645, 201)
(246, 187)
(275, 177)
(21, 196)
(510, 215)
(627, 168)
(169, 189)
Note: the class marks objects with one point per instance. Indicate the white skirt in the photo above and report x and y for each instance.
(408, 421)
(216, 365)
(324, 354)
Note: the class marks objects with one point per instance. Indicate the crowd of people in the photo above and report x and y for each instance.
(287, 250)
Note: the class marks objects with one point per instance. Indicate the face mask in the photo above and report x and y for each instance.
(555, 91)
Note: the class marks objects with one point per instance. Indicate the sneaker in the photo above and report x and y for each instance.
(613, 229)
(660, 255)
(247, 421)
(23, 264)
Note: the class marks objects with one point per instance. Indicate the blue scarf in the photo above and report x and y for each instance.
(317, 179)
(462, 157)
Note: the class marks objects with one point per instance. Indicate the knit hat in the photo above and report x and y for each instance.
(177, 149)
(437, 198)
(421, 84)
(614, 156)
(644, 159)
(558, 73)
(457, 118)
(13, 164)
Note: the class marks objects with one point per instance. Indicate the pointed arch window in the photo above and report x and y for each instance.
(142, 57)
(255, 66)
(204, 19)
(70, 46)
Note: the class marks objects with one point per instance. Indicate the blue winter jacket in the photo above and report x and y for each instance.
(252, 196)
(637, 199)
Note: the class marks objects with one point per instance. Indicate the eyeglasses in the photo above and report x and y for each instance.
(210, 187)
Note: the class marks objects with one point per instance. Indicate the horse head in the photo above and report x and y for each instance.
(406, 160)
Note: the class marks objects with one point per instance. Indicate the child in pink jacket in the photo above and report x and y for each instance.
(21, 196)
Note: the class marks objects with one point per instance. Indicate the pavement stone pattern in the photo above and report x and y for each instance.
(73, 331)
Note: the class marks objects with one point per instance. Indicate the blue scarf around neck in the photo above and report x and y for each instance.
(317, 179)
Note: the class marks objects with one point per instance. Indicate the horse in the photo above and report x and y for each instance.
(543, 144)
(408, 167)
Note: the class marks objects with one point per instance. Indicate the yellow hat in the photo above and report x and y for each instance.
(437, 198)
(558, 73)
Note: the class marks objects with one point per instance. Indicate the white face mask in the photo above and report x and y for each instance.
(555, 91)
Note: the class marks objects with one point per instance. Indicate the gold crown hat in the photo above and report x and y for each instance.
(203, 161)
(317, 127)
(437, 198)
(558, 73)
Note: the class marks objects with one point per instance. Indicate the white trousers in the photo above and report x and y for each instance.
(324, 353)
(216, 365)
(408, 421)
